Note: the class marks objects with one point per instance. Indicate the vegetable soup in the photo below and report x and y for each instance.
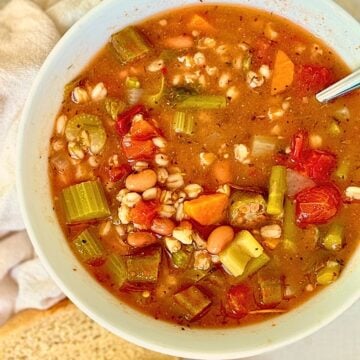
(196, 176)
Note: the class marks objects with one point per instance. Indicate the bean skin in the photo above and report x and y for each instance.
(141, 239)
(162, 226)
(141, 181)
(219, 238)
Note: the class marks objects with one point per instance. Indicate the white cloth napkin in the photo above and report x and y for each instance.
(28, 31)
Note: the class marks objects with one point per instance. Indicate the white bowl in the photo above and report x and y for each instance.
(67, 59)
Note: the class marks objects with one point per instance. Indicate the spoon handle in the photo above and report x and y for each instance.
(342, 87)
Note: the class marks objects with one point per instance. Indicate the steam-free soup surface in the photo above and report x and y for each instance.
(196, 176)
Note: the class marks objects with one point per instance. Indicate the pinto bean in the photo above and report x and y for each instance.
(141, 239)
(162, 226)
(141, 181)
(219, 238)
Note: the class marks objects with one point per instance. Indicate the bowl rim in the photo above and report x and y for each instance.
(25, 207)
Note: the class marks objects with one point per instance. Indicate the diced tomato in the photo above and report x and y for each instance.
(123, 121)
(317, 205)
(313, 78)
(318, 164)
(298, 143)
(138, 149)
(237, 300)
(143, 130)
(143, 213)
(117, 173)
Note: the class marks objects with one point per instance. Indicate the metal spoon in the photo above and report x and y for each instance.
(340, 88)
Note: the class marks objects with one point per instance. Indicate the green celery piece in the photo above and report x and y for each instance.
(329, 273)
(194, 275)
(343, 169)
(271, 291)
(92, 125)
(277, 189)
(334, 238)
(84, 201)
(143, 268)
(246, 63)
(153, 100)
(132, 83)
(129, 45)
(290, 230)
(87, 246)
(184, 123)
(246, 243)
(114, 107)
(203, 102)
(181, 259)
(116, 267)
(334, 129)
(69, 87)
(263, 145)
(192, 301)
(234, 260)
(253, 266)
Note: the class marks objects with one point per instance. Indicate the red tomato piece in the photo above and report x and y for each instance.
(143, 130)
(318, 164)
(143, 213)
(237, 301)
(317, 205)
(123, 121)
(313, 78)
(298, 143)
(138, 149)
(117, 173)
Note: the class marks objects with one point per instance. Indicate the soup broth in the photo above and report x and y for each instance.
(196, 176)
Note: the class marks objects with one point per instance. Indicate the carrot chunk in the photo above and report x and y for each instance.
(207, 209)
(197, 22)
(283, 75)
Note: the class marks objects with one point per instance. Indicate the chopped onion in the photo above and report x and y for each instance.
(263, 145)
(297, 182)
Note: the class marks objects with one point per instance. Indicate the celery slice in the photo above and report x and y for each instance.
(263, 145)
(234, 260)
(153, 100)
(246, 243)
(290, 230)
(181, 259)
(94, 128)
(333, 239)
(192, 301)
(144, 268)
(334, 129)
(84, 201)
(184, 123)
(246, 63)
(116, 267)
(203, 102)
(253, 266)
(329, 273)
(132, 82)
(88, 247)
(271, 291)
(114, 107)
(129, 45)
(277, 189)
(343, 169)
